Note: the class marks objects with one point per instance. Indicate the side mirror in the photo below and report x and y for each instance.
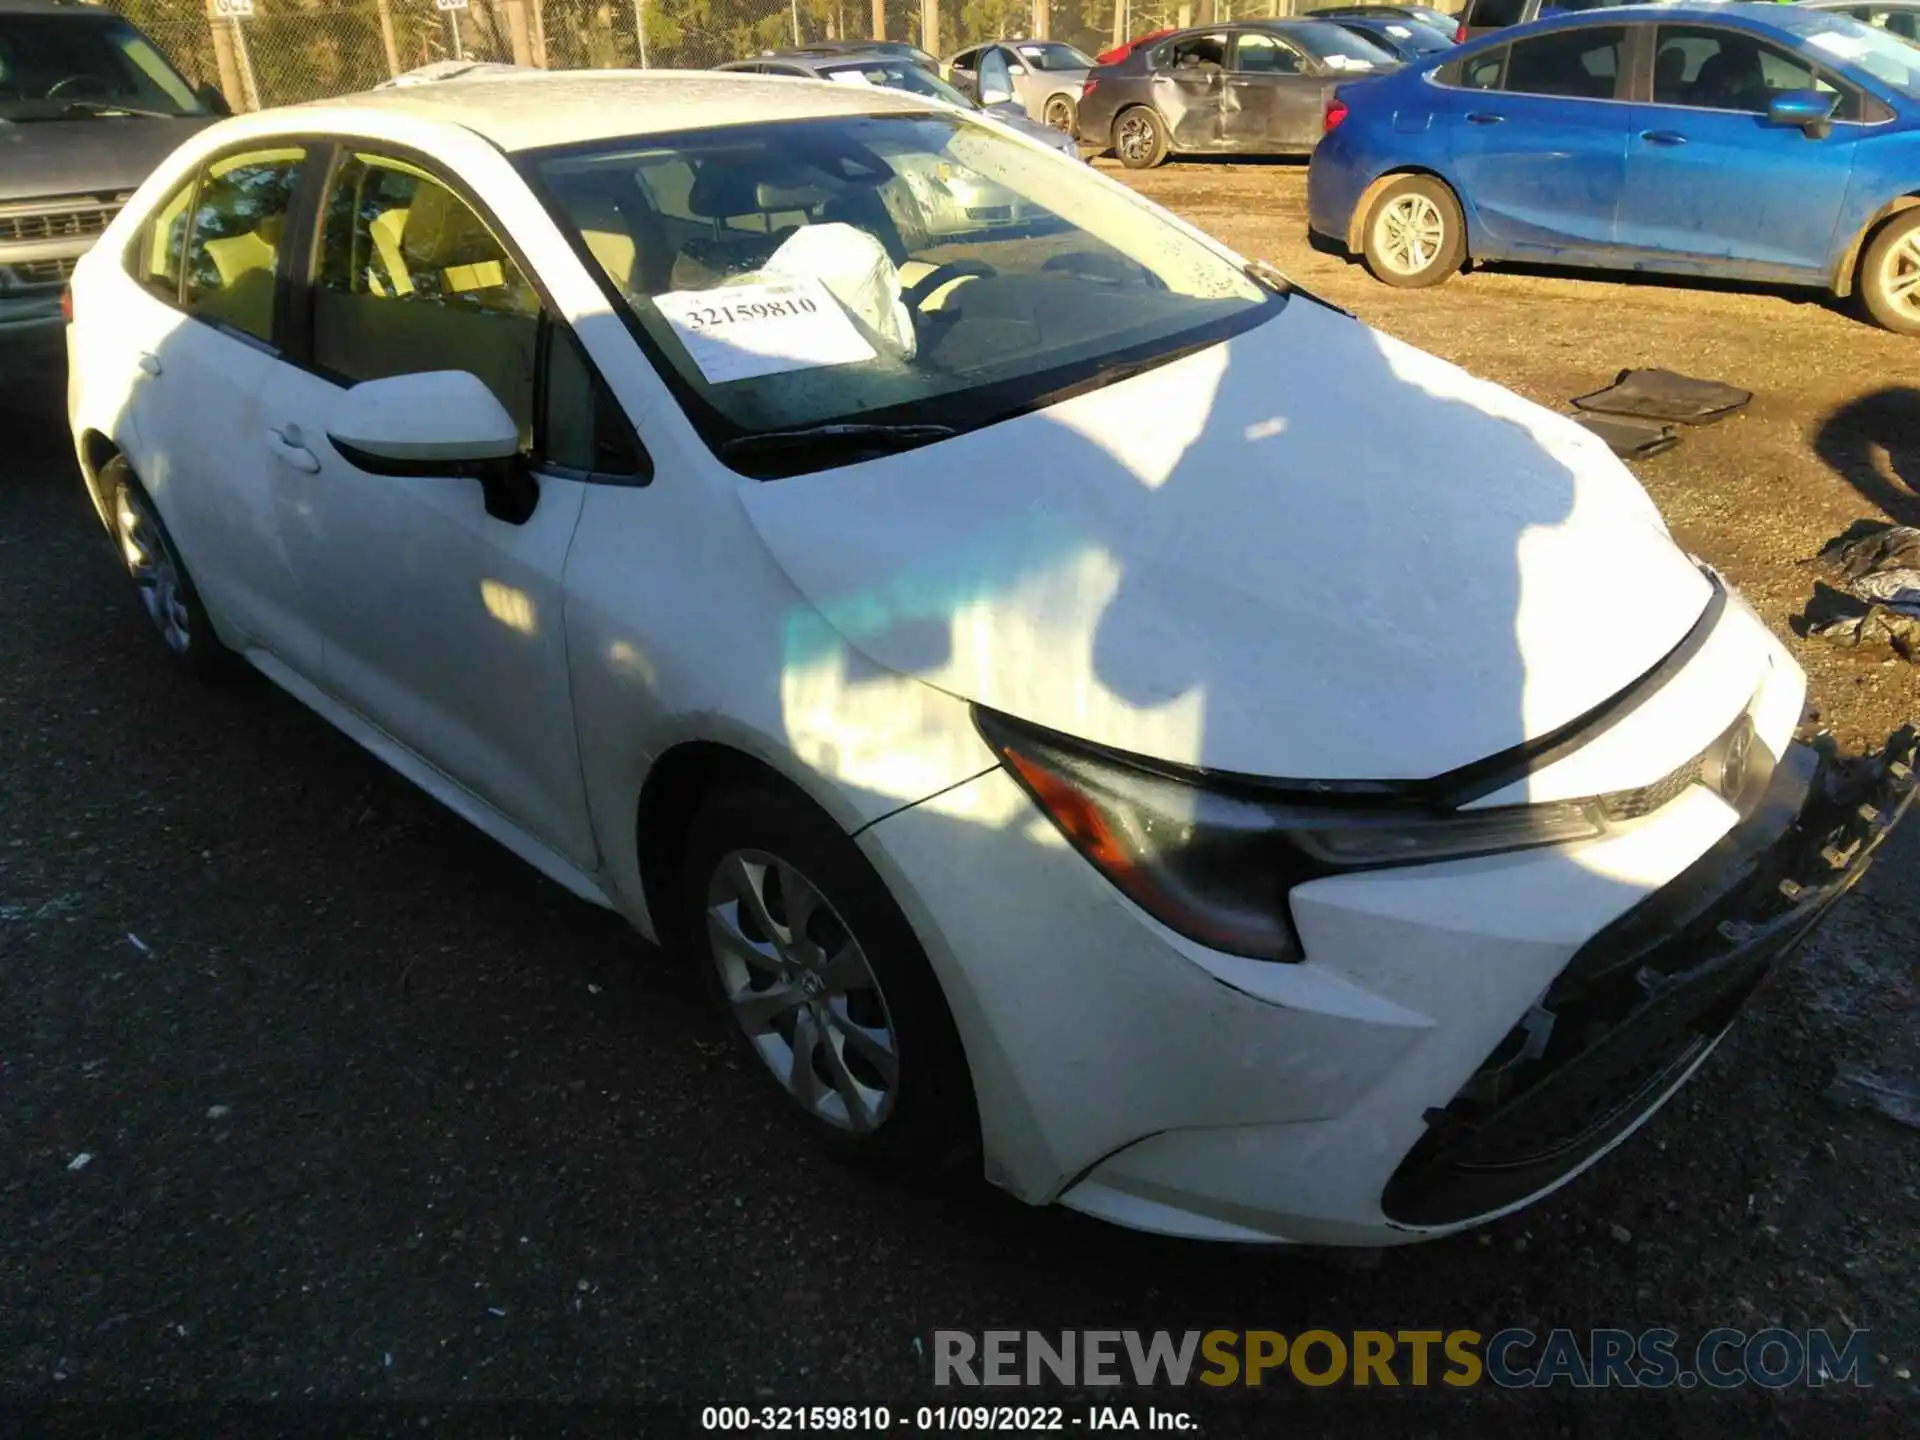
(1808, 110)
(209, 95)
(443, 423)
(1016, 68)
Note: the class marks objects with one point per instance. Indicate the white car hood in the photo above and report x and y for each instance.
(1309, 552)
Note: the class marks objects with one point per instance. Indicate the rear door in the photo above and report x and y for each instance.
(1273, 98)
(199, 328)
(1189, 86)
(1709, 181)
(1537, 131)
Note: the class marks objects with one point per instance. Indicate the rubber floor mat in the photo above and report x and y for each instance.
(1631, 439)
(1663, 395)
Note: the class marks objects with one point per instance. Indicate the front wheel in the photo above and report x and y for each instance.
(1890, 275)
(1415, 234)
(1140, 138)
(824, 982)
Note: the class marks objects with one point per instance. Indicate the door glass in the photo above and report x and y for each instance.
(411, 279)
(1708, 69)
(1483, 72)
(238, 217)
(156, 260)
(1492, 14)
(1193, 53)
(1264, 55)
(1581, 64)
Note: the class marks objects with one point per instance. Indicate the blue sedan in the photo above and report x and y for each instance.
(1760, 142)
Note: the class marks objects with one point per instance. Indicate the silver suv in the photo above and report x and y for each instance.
(88, 105)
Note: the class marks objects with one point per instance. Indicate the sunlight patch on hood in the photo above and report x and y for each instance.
(1150, 446)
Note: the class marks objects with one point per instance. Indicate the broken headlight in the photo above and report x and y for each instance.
(1215, 859)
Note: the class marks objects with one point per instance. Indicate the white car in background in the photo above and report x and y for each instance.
(1084, 704)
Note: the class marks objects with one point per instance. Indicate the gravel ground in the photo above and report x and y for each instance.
(376, 1115)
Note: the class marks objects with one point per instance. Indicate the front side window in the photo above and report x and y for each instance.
(1581, 63)
(411, 279)
(1264, 55)
(1708, 69)
(233, 247)
(78, 65)
(915, 268)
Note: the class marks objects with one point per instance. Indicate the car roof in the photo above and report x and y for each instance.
(567, 107)
(1793, 19)
(1859, 4)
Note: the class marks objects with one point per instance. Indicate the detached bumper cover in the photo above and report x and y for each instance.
(1641, 1003)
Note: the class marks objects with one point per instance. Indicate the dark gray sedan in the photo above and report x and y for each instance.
(1259, 88)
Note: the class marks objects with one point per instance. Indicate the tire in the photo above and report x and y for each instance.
(1059, 113)
(161, 583)
(1140, 137)
(1890, 274)
(1414, 235)
(886, 1082)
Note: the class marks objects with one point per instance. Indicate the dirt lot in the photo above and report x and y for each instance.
(377, 1115)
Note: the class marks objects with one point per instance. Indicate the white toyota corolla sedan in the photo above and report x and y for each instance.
(1090, 709)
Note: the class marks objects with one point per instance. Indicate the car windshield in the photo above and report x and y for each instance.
(896, 75)
(1338, 48)
(915, 269)
(1889, 60)
(1051, 55)
(72, 66)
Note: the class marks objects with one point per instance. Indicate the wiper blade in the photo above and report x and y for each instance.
(850, 439)
(107, 107)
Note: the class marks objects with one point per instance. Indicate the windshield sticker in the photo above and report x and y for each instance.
(1847, 47)
(849, 77)
(1348, 62)
(1399, 32)
(741, 332)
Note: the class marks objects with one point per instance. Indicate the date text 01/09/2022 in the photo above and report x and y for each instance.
(930, 1419)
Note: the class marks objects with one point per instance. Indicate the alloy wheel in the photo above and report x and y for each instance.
(1059, 114)
(156, 575)
(799, 985)
(1134, 138)
(1900, 276)
(1410, 233)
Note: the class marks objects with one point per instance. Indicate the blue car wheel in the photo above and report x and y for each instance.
(1414, 233)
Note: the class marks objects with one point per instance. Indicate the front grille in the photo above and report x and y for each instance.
(74, 224)
(41, 272)
(1633, 804)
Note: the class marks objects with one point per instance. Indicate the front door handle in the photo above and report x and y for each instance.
(1663, 137)
(1483, 117)
(149, 364)
(288, 445)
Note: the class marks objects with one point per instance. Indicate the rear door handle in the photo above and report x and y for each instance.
(149, 364)
(289, 446)
(1663, 137)
(1482, 117)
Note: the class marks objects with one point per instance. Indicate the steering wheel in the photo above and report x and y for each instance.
(60, 87)
(928, 285)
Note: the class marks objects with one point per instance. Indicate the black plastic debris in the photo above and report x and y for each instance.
(1663, 395)
(1631, 439)
(1870, 595)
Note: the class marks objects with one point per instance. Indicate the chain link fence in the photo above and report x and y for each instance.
(286, 51)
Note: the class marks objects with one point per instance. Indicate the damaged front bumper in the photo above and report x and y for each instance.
(1642, 1002)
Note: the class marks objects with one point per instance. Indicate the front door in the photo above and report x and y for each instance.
(1539, 142)
(1709, 180)
(441, 625)
(1273, 100)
